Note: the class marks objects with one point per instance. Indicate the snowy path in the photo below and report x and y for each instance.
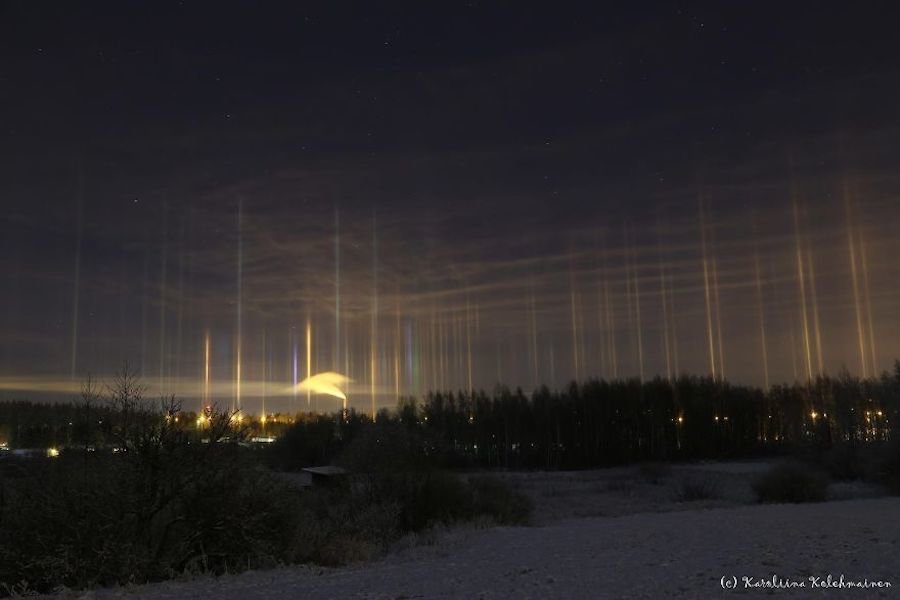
(676, 554)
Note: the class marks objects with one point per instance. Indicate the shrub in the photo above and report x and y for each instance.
(442, 497)
(107, 520)
(654, 472)
(500, 501)
(392, 473)
(695, 488)
(621, 483)
(163, 503)
(389, 466)
(391, 491)
(845, 462)
(335, 527)
(791, 482)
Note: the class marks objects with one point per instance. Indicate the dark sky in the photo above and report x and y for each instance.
(509, 159)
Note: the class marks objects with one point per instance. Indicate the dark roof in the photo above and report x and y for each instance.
(326, 471)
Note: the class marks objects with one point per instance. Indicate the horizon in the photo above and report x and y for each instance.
(282, 398)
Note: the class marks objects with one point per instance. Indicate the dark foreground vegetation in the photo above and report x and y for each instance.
(146, 496)
(142, 490)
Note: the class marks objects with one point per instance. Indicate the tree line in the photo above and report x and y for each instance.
(599, 422)
(593, 423)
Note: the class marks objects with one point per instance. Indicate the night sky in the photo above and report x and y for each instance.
(444, 195)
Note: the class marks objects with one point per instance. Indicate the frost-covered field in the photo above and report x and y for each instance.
(661, 547)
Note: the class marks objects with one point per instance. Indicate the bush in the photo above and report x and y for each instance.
(695, 488)
(388, 466)
(791, 482)
(392, 489)
(845, 462)
(336, 528)
(498, 500)
(655, 472)
(162, 503)
(103, 520)
(442, 498)
(396, 481)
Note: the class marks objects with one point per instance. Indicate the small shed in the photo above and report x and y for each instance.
(327, 475)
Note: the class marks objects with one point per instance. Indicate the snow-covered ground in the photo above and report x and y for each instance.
(682, 554)
(646, 545)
